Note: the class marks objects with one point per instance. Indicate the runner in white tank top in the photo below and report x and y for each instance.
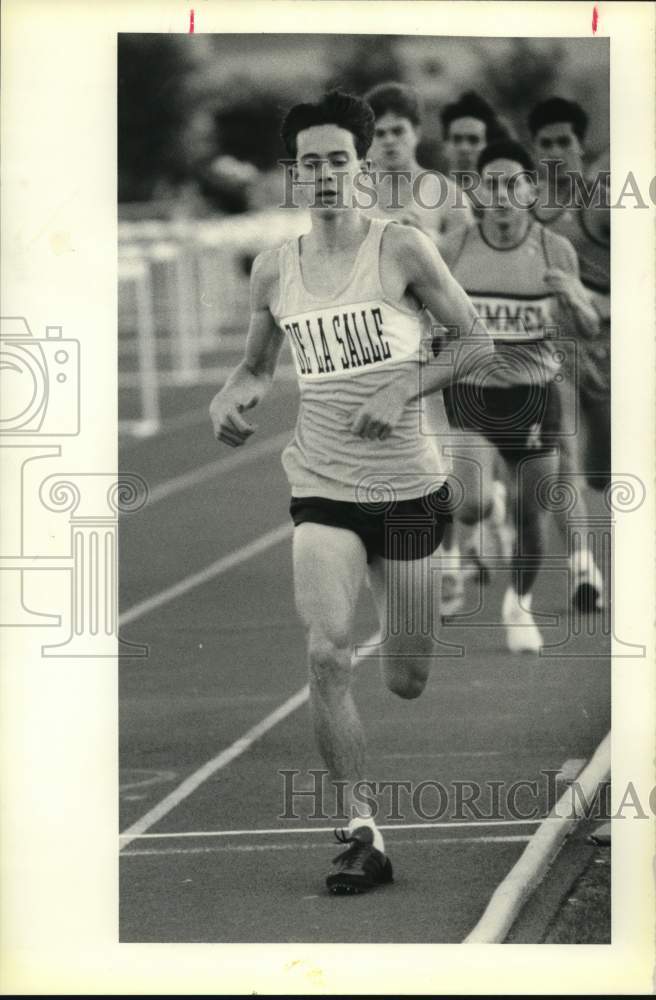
(345, 347)
(349, 295)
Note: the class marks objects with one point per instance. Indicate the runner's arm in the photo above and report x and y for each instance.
(575, 302)
(251, 380)
(430, 280)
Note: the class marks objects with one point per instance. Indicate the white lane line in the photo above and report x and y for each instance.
(196, 779)
(249, 848)
(444, 825)
(206, 376)
(189, 419)
(170, 424)
(147, 778)
(217, 568)
(236, 749)
(227, 463)
(570, 770)
(524, 877)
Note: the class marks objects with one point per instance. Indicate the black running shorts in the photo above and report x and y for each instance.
(521, 420)
(399, 529)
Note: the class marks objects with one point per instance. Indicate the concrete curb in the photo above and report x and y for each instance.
(527, 873)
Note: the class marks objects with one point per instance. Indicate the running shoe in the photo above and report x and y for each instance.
(587, 583)
(361, 866)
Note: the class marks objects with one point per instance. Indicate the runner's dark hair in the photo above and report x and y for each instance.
(472, 105)
(558, 109)
(398, 98)
(506, 149)
(334, 108)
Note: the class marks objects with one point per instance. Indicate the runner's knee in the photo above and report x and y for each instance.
(329, 660)
(406, 676)
(405, 683)
(474, 508)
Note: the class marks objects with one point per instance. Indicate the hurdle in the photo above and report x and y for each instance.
(134, 277)
(188, 281)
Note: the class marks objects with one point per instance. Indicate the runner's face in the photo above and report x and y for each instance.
(395, 142)
(558, 143)
(507, 190)
(326, 167)
(465, 140)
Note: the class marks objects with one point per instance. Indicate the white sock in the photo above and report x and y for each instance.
(513, 602)
(525, 601)
(357, 821)
(582, 561)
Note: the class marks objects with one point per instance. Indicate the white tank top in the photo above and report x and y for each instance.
(345, 347)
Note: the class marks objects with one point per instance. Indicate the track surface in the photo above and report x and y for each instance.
(225, 654)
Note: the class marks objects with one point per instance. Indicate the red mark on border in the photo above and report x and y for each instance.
(191, 22)
(595, 19)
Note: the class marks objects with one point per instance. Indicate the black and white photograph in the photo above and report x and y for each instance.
(327, 368)
(364, 369)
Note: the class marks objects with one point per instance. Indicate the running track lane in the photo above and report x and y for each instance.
(223, 657)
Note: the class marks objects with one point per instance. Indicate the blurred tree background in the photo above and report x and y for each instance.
(153, 78)
(199, 115)
(360, 62)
